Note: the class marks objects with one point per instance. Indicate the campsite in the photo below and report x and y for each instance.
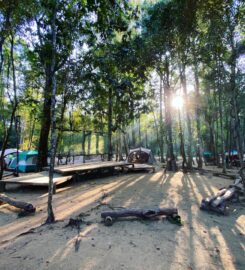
(122, 134)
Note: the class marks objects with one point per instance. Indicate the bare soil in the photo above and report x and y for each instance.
(205, 241)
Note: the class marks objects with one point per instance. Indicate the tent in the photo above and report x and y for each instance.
(9, 155)
(27, 161)
(208, 156)
(141, 156)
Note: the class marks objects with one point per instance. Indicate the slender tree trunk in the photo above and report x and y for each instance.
(157, 136)
(140, 141)
(146, 138)
(126, 143)
(83, 145)
(32, 132)
(216, 130)
(182, 141)
(89, 142)
(45, 121)
(14, 103)
(109, 150)
(133, 134)
(61, 122)
(51, 217)
(161, 121)
(198, 113)
(5, 141)
(189, 129)
(221, 119)
(210, 123)
(1, 54)
(120, 146)
(97, 143)
(171, 160)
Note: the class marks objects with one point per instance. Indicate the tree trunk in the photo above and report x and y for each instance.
(221, 123)
(157, 136)
(83, 145)
(5, 141)
(125, 141)
(109, 150)
(189, 129)
(61, 122)
(210, 123)
(14, 104)
(216, 131)
(171, 160)
(97, 143)
(133, 134)
(161, 122)
(45, 121)
(140, 141)
(182, 146)
(32, 131)
(51, 217)
(233, 85)
(89, 142)
(198, 113)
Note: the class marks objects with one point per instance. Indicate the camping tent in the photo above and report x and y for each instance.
(141, 155)
(27, 161)
(9, 155)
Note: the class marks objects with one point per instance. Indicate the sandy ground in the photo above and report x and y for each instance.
(205, 241)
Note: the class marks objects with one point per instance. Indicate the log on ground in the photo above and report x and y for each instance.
(142, 213)
(27, 207)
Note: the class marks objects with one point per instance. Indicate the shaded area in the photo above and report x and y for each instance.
(204, 242)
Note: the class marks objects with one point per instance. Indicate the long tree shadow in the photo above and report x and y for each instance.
(213, 236)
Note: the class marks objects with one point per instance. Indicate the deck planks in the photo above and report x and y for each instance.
(61, 174)
(37, 179)
(74, 169)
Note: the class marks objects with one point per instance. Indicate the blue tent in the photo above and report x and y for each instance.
(27, 161)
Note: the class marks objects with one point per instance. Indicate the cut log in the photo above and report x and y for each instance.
(218, 202)
(108, 216)
(27, 207)
(226, 196)
(143, 213)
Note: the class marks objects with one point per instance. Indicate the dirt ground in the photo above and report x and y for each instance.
(205, 241)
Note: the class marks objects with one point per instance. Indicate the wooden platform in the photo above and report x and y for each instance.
(142, 167)
(86, 167)
(63, 173)
(35, 179)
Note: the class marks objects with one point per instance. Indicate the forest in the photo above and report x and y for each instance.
(149, 97)
(88, 77)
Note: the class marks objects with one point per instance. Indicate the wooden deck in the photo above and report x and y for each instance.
(35, 179)
(86, 167)
(62, 174)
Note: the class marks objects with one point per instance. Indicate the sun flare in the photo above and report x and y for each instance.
(178, 102)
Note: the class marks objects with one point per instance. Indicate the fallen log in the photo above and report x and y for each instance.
(229, 193)
(27, 207)
(218, 202)
(109, 216)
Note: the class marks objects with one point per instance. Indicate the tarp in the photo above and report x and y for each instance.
(141, 156)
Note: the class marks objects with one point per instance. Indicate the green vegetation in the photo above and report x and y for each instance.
(94, 77)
